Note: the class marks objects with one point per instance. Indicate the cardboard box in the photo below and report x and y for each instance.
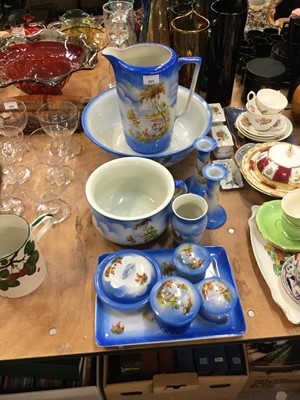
(174, 386)
(261, 381)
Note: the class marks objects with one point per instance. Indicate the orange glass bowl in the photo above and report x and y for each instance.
(42, 63)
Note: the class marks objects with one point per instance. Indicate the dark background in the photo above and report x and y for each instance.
(12, 11)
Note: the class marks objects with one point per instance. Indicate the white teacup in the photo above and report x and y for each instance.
(22, 266)
(290, 205)
(261, 122)
(270, 101)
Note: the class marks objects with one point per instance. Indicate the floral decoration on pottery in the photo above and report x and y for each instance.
(175, 303)
(141, 327)
(277, 256)
(147, 86)
(10, 273)
(281, 163)
(281, 130)
(124, 279)
(102, 123)
(261, 181)
(218, 298)
(217, 113)
(290, 278)
(191, 261)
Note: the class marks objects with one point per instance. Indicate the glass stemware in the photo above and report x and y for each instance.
(13, 112)
(59, 119)
(118, 19)
(48, 178)
(11, 150)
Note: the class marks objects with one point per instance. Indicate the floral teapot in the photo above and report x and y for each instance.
(147, 85)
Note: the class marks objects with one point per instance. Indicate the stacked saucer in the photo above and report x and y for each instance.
(279, 131)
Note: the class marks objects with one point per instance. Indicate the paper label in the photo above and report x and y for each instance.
(10, 105)
(150, 79)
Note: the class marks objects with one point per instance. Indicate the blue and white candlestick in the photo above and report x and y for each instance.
(197, 182)
(216, 214)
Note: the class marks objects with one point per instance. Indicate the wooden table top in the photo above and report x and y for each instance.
(58, 318)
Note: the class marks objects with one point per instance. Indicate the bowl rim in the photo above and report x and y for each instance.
(105, 298)
(92, 181)
(48, 35)
(154, 156)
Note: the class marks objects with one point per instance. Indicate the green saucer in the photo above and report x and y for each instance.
(268, 220)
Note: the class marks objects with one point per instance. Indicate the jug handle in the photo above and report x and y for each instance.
(47, 219)
(190, 60)
(180, 188)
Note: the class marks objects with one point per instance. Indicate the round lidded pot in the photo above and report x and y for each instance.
(281, 163)
(218, 298)
(191, 261)
(124, 279)
(175, 303)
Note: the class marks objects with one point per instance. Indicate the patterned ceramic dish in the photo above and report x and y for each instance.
(280, 131)
(124, 279)
(288, 278)
(130, 199)
(122, 328)
(175, 303)
(101, 122)
(191, 261)
(41, 63)
(265, 182)
(218, 298)
(269, 260)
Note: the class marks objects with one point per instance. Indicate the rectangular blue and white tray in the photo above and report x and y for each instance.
(123, 328)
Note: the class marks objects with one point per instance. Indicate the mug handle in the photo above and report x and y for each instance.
(44, 218)
(181, 188)
(190, 60)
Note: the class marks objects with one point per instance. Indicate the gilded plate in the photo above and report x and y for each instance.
(256, 179)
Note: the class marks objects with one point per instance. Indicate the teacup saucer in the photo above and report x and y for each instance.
(268, 220)
(281, 130)
(288, 279)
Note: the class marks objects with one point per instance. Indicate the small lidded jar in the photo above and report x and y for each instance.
(124, 279)
(175, 303)
(218, 298)
(191, 261)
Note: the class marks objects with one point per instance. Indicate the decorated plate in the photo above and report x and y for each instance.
(268, 220)
(270, 261)
(120, 328)
(280, 131)
(256, 179)
(288, 279)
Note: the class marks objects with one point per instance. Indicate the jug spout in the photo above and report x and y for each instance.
(114, 55)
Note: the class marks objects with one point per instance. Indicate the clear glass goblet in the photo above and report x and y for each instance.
(118, 19)
(59, 119)
(13, 112)
(47, 181)
(11, 150)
